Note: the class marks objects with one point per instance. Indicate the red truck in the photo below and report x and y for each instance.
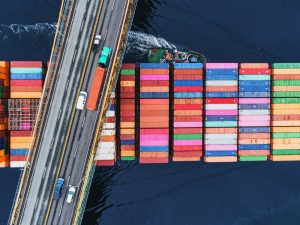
(96, 88)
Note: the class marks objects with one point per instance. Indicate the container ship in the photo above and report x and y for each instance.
(172, 112)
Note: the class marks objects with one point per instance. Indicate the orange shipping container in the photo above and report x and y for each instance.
(285, 112)
(154, 119)
(154, 124)
(285, 157)
(127, 125)
(286, 88)
(285, 129)
(254, 65)
(286, 123)
(20, 145)
(25, 94)
(188, 101)
(154, 107)
(188, 71)
(154, 113)
(20, 139)
(286, 71)
(154, 89)
(286, 76)
(286, 141)
(154, 154)
(4, 70)
(127, 83)
(285, 106)
(220, 130)
(96, 88)
(285, 146)
(254, 141)
(26, 89)
(127, 153)
(4, 64)
(127, 131)
(221, 159)
(187, 113)
(154, 71)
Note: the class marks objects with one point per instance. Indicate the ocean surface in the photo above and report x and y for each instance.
(263, 193)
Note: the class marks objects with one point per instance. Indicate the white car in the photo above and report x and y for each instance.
(71, 194)
(97, 42)
(81, 100)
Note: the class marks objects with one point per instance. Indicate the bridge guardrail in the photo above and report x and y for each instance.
(61, 29)
(89, 172)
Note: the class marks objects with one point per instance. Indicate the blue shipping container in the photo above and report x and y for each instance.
(154, 148)
(188, 65)
(154, 66)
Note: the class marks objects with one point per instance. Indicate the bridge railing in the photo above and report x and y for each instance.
(50, 79)
(116, 65)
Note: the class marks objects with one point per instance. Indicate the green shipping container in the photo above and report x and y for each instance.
(285, 100)
(187, 136)
(286, 82)
(253, 158)
(220, 124)
(286, 152)
(127, 72)
(286, 135)
(286, 65)
(128, 158)
(254, 77)
(286, 94)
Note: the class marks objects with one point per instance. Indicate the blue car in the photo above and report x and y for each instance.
(58, 188)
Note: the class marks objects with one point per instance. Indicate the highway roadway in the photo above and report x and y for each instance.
(67, 134)
(85, 122)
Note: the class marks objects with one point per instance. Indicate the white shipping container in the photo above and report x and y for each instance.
(220, 136)
(108, 132)
(246, 112)
(221, 106)
(110, 126)
(221, 142)
(106, 144)
(221, 83)
(17, 164)
(110, 113)
(105, 157)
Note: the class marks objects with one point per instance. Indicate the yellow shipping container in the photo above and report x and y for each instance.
(254, 141)
(185, 159)
(285, 157)
(286, 71)
(127, 83)
(19, 145)
(220, 159)
(285, 106)
(285, 129)
(25, 94)
(127, 124)
(4, 64)
(286, 112)
(286, 141)
(286, 123)
(126, 131)
(285, 146)
(21, 139)
(1, 152)
(286, 88)
(127, 153)
(187, 113)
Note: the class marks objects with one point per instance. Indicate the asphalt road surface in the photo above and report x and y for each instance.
(50, 150)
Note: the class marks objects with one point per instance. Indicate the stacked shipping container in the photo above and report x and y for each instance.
(286, 112)
(127, 112)
(26, 79)
(22, 114)
(254, 112)
(106, 147)
(4, 93)
(154, 113)
(221, 112)
(187, 108)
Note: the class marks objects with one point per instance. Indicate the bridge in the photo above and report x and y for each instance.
(64, 142)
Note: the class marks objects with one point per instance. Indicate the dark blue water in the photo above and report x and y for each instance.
(179, 193)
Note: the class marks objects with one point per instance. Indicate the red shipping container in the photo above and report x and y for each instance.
(154, 131)
(188, 71)
(127, 95)
(105, 162)
(286, 76)
(221, 100)
(254, 71)
(127, 147)
(127, 113)
(127, 78)
(128, 107)
(26, 64)
(128, 66)
(188, 130)
(154, 160)
(26, 83)
(187, 77)
(127, 101)
(19, 133)
(155, 113)
(127, 119)
(188, 89)
(187, 118)
(18, 157)
(127, 89)
(187, 153)
(127, 137)
(154, 83)
(188, 107)
(179, 148)
(110, 119)
(154, 101)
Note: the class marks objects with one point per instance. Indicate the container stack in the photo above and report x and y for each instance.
(106, 147)
(127, 112)
(20, 141)
(154, 113)
(22, 113)
(187, 108)
(26, 79)
(286, 112)
(221, 112)
(4, 79)
(254, 112)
